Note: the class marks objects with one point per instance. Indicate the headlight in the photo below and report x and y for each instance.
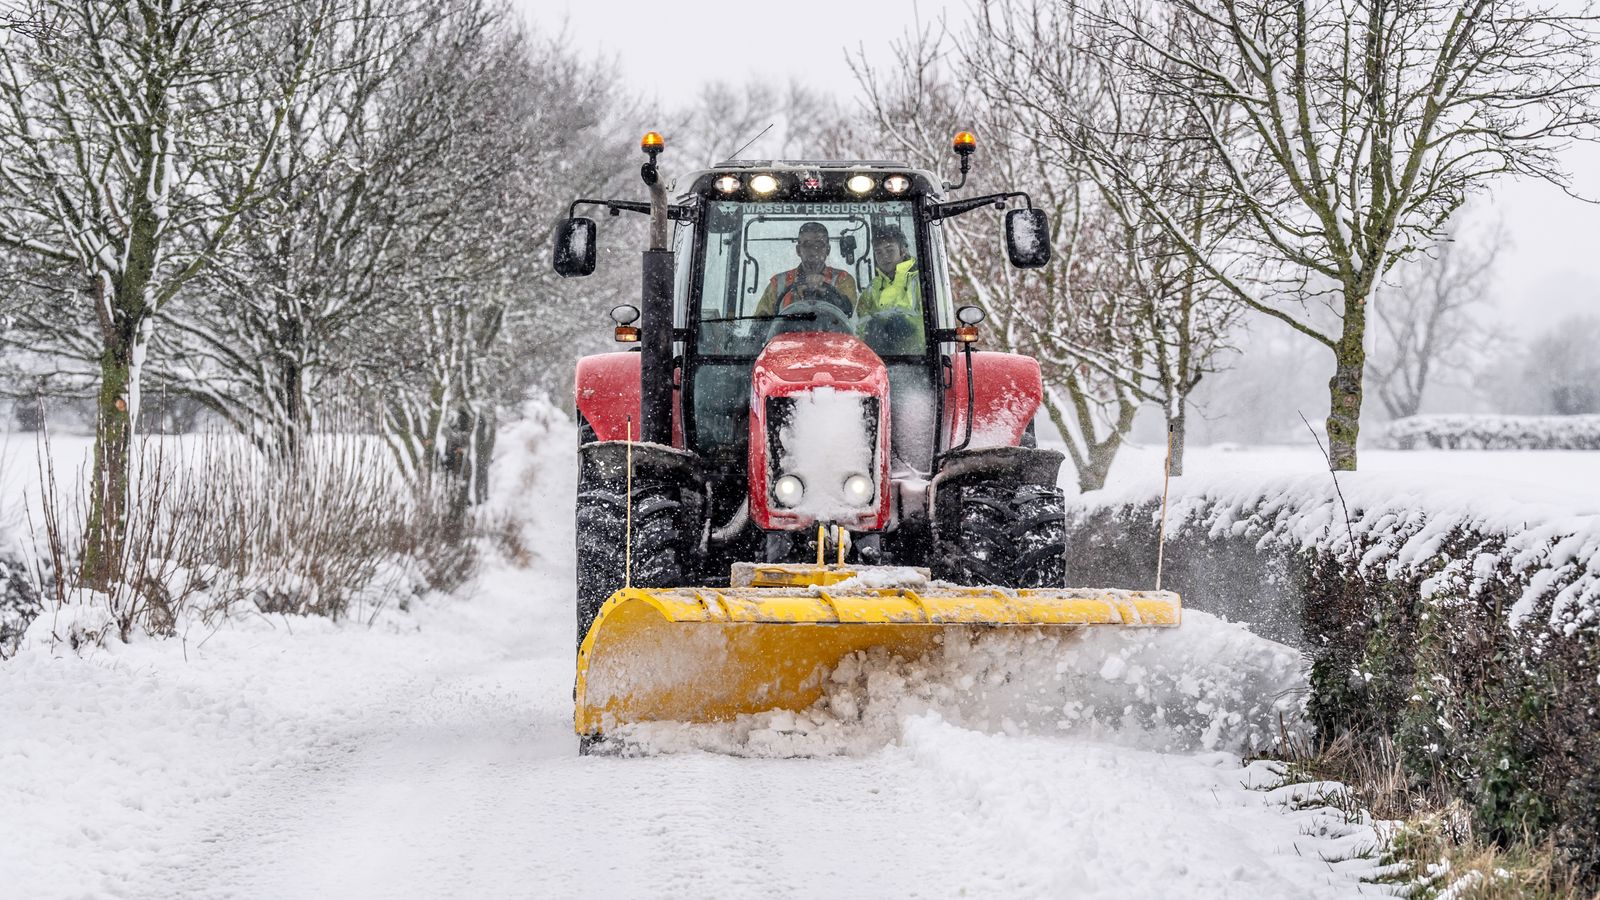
(727, 184)
(788, 490)
(860, 184)
(858, 489)
(763, 184)
(897, 184)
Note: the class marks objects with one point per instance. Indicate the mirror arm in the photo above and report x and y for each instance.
(955, 208)
(675, 212)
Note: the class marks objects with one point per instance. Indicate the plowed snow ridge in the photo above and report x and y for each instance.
(1210, 685)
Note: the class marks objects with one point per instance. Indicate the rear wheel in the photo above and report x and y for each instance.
(1007, 536)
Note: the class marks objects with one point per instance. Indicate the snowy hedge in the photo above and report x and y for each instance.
(1467, 632)
(19, 601)
(1464, 432)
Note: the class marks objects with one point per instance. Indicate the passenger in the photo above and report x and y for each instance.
(812, 280)
(894, 295)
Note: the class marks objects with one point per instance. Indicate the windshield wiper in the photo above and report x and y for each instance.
(809, 317)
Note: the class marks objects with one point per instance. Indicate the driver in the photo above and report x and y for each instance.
(813, 279)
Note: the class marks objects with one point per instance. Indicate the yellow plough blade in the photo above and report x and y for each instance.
(709, 654)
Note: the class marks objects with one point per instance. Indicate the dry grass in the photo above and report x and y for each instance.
(159, 545)
(1432, 848)
(213, 524)
(1442, 858)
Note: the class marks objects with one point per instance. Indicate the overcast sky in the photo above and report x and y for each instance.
(668, 50)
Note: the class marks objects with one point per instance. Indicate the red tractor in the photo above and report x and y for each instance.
(802, 388)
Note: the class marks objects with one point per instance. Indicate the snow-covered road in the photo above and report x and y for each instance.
(440, 763)
(431, 755)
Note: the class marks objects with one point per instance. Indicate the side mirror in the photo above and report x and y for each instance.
(1028, 238)
(575, 248)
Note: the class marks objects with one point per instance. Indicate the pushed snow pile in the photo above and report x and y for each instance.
(1207, 685)
(1469, 432)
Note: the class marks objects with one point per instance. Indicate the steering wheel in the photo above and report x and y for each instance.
(824, 315)
(829, 293)
(892, 330)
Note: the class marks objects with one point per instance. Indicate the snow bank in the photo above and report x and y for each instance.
(531, 454)
(1208, 685)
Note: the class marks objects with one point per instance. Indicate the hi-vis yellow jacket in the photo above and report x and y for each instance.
(903, 291)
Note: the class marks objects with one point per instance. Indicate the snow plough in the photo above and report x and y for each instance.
(800, 453)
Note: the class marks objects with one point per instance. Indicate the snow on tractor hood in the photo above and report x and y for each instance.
(819, 411)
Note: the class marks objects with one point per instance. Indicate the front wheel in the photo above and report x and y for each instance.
(659, 541)
(1006, 536)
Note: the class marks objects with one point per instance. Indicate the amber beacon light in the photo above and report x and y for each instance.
(965, 142)
(652, 143)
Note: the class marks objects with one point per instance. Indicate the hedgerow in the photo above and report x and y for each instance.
(1494, 432)
(1467, 636)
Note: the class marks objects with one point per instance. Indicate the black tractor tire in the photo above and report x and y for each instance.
(662, 534)
(1006, 536)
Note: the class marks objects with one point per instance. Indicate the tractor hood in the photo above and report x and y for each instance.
(822, 358)
(819, 413)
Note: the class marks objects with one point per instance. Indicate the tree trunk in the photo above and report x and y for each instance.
(1176, 426)
(1344, 389)
(1092, 476)
(294, 418)
(488, 428)
(108, 497)
(1093, 461)
(457, 462)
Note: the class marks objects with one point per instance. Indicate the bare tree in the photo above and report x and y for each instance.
(1428, 322)
(757, 119)
(913, 106)
(1350, 134)
(104, 123)
(1561, 372)
(260, 338)
(476, 308)
(1178, 318)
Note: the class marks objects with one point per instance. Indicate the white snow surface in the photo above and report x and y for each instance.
(431, 754)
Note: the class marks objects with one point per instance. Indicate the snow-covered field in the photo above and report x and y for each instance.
(430, 754)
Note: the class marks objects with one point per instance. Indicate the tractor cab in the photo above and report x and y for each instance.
(785, 248)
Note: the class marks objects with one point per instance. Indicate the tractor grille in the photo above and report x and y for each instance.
(851, 418)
